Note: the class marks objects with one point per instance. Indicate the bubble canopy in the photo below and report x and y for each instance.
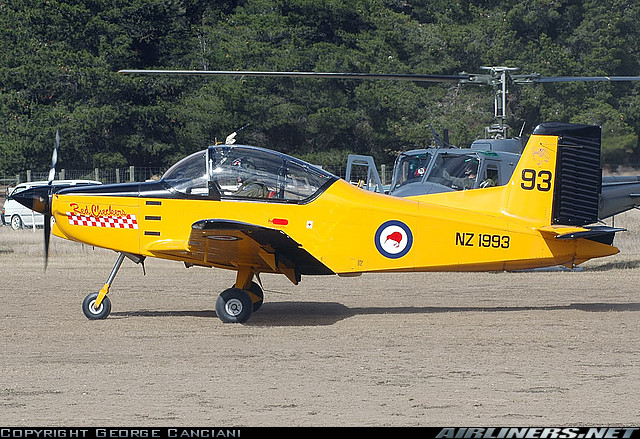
(247, 172)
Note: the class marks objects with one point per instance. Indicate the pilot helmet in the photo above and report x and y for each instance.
(471, 165)
(244, 167)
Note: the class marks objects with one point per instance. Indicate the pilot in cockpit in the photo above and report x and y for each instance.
(468, 178)
(250, 186)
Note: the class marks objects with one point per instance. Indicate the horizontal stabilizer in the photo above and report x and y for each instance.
(602, 234)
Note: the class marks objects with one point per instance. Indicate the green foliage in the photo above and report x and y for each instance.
(59, 58)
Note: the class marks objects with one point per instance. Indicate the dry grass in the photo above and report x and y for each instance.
(28, 241)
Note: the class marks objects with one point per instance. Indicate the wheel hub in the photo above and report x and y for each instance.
(233, 307)
(93, 309)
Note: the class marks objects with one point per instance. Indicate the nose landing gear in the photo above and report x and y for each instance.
(97, 306)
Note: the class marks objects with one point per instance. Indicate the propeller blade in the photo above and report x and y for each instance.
(54, 158)
(47, 235)
(47, 200)
(462, 77)
(39, 199)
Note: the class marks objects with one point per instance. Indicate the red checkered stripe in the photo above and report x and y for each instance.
(113, 222)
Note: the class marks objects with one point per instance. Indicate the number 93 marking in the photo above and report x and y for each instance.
(532, 180)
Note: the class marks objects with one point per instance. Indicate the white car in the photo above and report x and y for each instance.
(18, 216)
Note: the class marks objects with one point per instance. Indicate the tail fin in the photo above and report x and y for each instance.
(558, 177)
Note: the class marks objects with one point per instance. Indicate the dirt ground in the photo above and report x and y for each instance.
(444, 349)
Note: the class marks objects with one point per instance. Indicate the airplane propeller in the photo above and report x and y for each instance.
(47, 207)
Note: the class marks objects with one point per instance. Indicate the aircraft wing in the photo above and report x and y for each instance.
(234, 244)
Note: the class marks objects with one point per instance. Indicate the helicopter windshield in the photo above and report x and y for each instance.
(456, 171)
(410, 168)
(225, 171)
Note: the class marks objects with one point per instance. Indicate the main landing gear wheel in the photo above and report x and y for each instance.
(96, 314)
(234, 306)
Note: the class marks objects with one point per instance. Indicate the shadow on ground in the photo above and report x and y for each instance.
(329, 313)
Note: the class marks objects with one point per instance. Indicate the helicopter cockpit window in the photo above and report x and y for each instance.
(189, 175)
(455, 171)
(410, 168)
(245, 172)
(491, 177)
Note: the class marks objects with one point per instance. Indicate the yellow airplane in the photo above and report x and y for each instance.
(255, 211)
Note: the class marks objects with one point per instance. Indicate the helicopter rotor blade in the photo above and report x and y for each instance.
(537, 79)
(497, 77)
(462, 77)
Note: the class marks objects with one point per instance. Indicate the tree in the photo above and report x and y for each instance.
(60, 58)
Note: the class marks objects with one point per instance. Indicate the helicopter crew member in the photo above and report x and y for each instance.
(467, 181)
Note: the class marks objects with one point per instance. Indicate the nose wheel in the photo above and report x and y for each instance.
(96, 313)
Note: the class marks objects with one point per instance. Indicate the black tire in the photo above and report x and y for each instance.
(96, 314)
(234, 306)
(16, 222)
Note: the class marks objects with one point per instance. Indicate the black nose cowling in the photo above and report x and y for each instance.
(36, 198)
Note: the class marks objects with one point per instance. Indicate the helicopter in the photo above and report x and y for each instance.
(494, 157)
(437, 169)
(421, 172)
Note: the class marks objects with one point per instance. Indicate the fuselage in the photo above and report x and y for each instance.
(348, 229)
